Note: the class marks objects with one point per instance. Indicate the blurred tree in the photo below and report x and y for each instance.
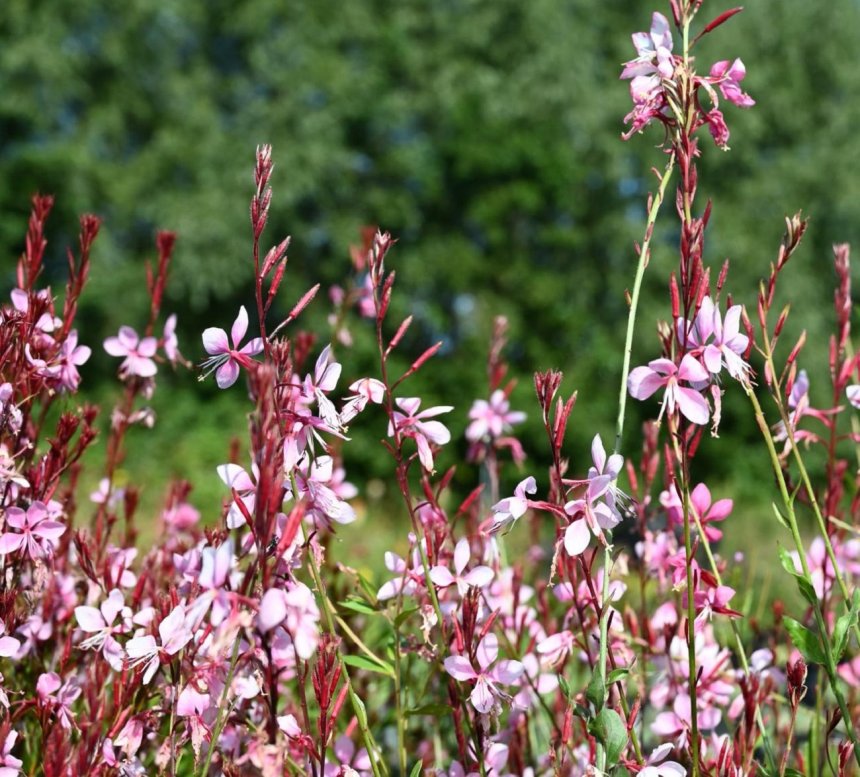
(484, 134)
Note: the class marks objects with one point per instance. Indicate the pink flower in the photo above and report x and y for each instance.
(351, 762)
(727, 76)
(170, 341)
(138, 353)
(295, 608)
(507, 511)
(411, 423)
(364, 390)
(38, 534)
(479, 577)
(492, 419)
(9, 765)
(644, 381)
(728, 344)
(656, 764)
(654, 61)
(853, 395)
(175, 635)
(100, 623)
(227, 361)
(487, 678)
(60, 699)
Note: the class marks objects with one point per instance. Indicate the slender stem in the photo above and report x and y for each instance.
(370, 745)
(223, 711)
(741, 651)
(821, 624)
(644, 253)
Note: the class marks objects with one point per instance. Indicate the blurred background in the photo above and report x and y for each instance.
(483, 134)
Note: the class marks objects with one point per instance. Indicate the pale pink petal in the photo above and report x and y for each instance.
(114, 347)
(148, 346)
(273, 609)
(240, 327)
(459, 668)
(576, 537)
(692, 370)
(227, 374)
(693, 405)
(508, 672)
(479, 577)
(253, 347)
(643, 382)
(441, 577)
(9, 543)
(482, 696)
(89, 619)
(461, 555)
(488, 650)
(435, 431)
(215, 341)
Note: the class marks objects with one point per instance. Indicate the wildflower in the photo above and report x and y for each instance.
(224, 360)
(644, 381)
(656, 764)
(411, 423)
(492, 419)
(169, 340)
(487, 678)
(101, 624)
(728, 343)
(9, 765)
(138, 353)
(727, 76)
(654, 61)
(507, 511)
(479, 577)
(38, 534)
(58, 697)
(174, 634)
(295, 608)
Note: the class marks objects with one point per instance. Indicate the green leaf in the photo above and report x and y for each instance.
(803, 585)
(805, 641)
(433, 710)
(844, 624)
(617, 674)
(404, 616)
(358, 605)
(416, 770)
(565, 688)
(779, 516)
(610, 730)
(595, 693)
(361, 662)
(793, 773)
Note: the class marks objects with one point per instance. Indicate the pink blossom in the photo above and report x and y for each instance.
(853, 395)
(487, 678)
(9, 765)
(644, 381)
(351, 762)
(727, 76)
(174, 634)
(411, 423)
(39, 534)
(101, 624)
(408, 580)
(138, 353)
(479, 576)
(227, 361)
(295, 608)
(364, 390)
(492, 419)
(507, 511)
(555, 648)
(238, 480)
(718, 340)
(58, 697)
(315, 483)
(170, 341)
(654, 59)
(656, 764)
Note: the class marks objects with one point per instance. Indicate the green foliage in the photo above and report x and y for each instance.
(484, 134)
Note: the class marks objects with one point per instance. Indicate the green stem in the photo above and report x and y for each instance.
(788, 503)
(358, 707)
(222, 709)
(741, 651)
(644, 253)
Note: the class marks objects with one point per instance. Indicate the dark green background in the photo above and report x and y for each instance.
(484, 134)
